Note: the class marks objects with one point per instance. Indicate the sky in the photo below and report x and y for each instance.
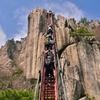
(14, 13)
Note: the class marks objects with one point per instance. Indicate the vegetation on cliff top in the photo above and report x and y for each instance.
(84, 21)
(82, 32)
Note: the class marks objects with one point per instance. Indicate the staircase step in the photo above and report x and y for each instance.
(51, 82)
(49, 90)
(50, 99)
(49, 95)
(49, 86)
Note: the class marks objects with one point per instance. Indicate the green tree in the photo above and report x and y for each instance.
(82, 31)
(83, 20)
(18, 71)
(12, 63)
(74, 20)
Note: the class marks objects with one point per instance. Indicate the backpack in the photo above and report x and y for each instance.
(48, 62)
(51, 42)
(47, 42)
(49, 31)
(50, 54)
(49, 36)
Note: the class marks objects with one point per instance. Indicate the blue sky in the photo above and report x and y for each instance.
(13, 14)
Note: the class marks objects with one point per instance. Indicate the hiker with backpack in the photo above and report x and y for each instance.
(49, 43)
(49, 31)
(50, 27)
(50, 11)
(49, 36)
(49, 66)
(50, 53)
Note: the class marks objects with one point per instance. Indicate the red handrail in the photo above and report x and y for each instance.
(42, 89)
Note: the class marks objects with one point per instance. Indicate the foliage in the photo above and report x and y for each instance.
(98, 22)
(89, 97)
(56, 20)
(35, 81)
(9, 94)
(12, 41)
(2, 83)
(1, 47)
(87, 23)
(74, 20)
(91, 20)
(82, 31)
(18, 41)
(12, 79)
(12, 63)
(83, 20)
(22, 38)
(18, 71)
(93, 27)
(9, 48)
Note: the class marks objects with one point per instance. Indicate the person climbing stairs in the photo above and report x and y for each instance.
(49, 85)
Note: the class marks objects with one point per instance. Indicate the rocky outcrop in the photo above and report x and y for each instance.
(26, 53)
(35, 41)
(62, 27)
(12, 57)
(80, 64)
(93, 25)
(79, 57)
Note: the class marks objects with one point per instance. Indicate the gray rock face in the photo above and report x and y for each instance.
(71, 24)
(25, 53)
(35, 41)
(93, 24)
(61, 29)
(80, 63)
(80, 60)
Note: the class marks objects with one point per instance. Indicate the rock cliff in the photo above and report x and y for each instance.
(26, 53)
(37, 22)
(79, 59)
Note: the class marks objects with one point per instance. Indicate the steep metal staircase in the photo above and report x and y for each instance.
(50, 92)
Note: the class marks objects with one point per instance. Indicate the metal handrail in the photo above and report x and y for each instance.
(43, 66)
(60, 72)
(55, 63)
(39, 75)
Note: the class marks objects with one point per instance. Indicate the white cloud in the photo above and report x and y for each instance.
(21, 15)
(67, 9)
(21, 33)
(2, 37)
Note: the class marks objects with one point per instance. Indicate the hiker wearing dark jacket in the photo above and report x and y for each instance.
(49, 31)
(50, 11)
(49, 52)
(49, 66)
(49, 43)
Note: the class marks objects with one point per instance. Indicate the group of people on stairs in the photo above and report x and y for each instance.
(49, 42)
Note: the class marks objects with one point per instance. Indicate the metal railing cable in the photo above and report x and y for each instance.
(60, 73)
(39, 75)
(55, 61)
(42, 69)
